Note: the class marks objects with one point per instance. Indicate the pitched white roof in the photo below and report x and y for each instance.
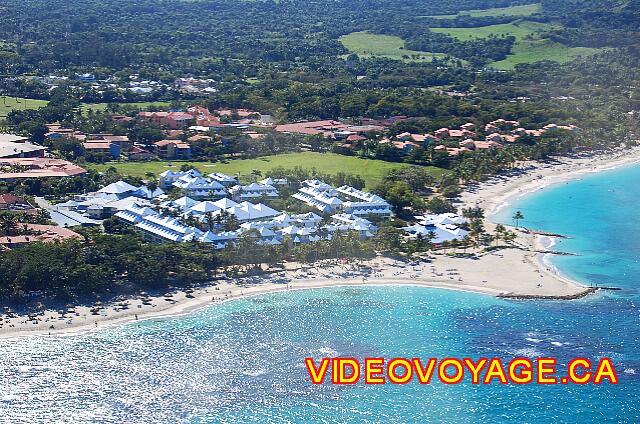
(225, 203)
(144, 191)
(246, 211)
(118, 188)
(222, 177)
(182, 203)
(204, 207)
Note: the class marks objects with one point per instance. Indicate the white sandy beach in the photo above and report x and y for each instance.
(513, 271)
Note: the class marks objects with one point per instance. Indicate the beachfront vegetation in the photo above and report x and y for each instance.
(111, 265)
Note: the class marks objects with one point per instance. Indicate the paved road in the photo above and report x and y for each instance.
(43, 203)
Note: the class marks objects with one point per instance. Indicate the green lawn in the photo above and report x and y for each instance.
(539, 50)
(515, 11)
(519, 30)
(98, 107)
(366, 44)
(7, 104)
(330, 163)
(530, 47)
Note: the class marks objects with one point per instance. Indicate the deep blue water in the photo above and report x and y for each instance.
(243, 361)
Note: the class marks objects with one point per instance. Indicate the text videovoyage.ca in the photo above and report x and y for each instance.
(456, 371)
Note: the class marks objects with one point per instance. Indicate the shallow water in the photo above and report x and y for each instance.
(243, 361)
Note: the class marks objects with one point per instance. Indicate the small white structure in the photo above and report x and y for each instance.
(319, 195)
(159, 228)
(253, 191)
(167, 178)
(121, 189)
(203, 208)
(182, 204)
(198, 187)
(357, 202)
(275, 181)
(225, 180)
(366, 203)
(439, 228)
(220, 240)
(135, 213)
(246, 211)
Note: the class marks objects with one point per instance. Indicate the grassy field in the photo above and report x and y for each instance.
(97, 107)
(330, 163)
(530, 47)
(539, 50)
(7, 104)
(365, 44)
(515, 11)
(519, 30)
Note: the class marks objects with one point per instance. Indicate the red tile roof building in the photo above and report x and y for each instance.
(37, 168)
(42, 234)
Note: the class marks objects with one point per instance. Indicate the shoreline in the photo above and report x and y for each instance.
(510, 273)
(199, 303)
(500, 192)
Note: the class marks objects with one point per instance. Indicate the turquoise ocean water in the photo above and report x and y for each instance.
(242, 361)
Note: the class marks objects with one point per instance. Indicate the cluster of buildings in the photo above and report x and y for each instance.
(125, 87)
(192, 85)
(106, 144)
(21, 159)
(212, 200)
(269, 226)
(330, 129)
(200, 118)
(90, 208)
(216, 186)
(345, 199)
(468, 138)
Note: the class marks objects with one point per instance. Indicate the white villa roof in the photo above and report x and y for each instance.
(442, 232)
(182, 203)
(127, 202)
(144, 191)
(178, 174)
(359, 194)
(277, 181)
(317, 184)
(210, 236)
(225, 203)
(204, 207)
(135, 213)
(118, 188)
(222, 177)
(445, 218)
(168, 228)
(246, 211)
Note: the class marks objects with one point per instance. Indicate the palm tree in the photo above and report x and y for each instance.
(8, 224)
(517, 217)
(210, 220)
(499, 232)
